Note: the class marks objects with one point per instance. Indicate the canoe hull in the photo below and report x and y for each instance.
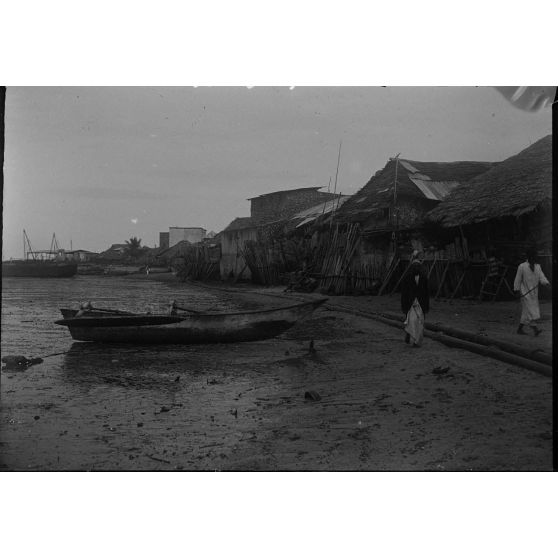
(31, 268)
(194, 329)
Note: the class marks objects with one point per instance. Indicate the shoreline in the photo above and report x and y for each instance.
(382, 406)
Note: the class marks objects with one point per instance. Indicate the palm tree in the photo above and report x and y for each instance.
(133, 247)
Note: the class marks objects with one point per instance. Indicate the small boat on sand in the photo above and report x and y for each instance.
(112, 326)
(40, 263)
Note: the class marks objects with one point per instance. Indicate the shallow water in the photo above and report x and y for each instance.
(31, 305)
(104, 406)
(243, 406)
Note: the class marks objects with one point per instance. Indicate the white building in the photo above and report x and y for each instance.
(191, 234)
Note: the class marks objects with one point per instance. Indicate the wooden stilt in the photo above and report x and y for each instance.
(458, 284)
(442, 280)
(401, 278)
(391, 269)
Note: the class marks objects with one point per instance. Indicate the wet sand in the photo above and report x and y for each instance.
(243, 406)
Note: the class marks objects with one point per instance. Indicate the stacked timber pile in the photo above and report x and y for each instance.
(365, 278)
(198, 264)
(336, 268)
(263, 261)
(456, 250)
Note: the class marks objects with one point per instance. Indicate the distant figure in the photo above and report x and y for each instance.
(526, 285)
(173, 311)
(415, 303)
(147, 270)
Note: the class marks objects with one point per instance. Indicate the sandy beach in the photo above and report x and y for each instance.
(381, 405)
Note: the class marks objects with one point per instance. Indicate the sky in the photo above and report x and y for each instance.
(99, 165)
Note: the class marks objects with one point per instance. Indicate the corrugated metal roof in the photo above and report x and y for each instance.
(407, 165)
(434, 190)
(324, 207)
(309, 215)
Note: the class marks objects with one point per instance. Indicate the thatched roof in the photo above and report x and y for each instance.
(415, 179)
(513, 187)
(240, 223)
(175, 250)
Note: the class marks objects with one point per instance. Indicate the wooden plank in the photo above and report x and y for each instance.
(442, 280)
(458, 284)
(393, 266)
(401, 278)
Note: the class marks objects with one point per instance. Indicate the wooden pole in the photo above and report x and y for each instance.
(335, 187)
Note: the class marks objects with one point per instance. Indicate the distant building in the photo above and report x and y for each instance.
(80, 255)
(115, 252)
(163, 240)
(165, 256)
(266, 211)
(285, 203)
(191, 234)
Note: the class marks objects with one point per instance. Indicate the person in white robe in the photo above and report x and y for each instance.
(526, 285)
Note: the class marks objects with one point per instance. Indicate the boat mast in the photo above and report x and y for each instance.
(27, 246)
(54, 243)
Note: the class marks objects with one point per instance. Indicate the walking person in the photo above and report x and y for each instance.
(415, 303)
(526, 285)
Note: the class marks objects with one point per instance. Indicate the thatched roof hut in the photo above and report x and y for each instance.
(514, 187)
(177, 250)
(240, 223)
(423, 184)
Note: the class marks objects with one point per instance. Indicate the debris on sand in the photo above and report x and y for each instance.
(312, 396)
(156, 458)
(311, 348)
(439, 370)
(20, 362)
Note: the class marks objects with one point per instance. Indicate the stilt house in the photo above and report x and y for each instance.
(389, 215)
(502, 212)
(268, 214)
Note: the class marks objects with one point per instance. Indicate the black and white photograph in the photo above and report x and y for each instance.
(277, 279)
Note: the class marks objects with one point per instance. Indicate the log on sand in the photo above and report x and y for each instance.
(484, 350)
(533, 354)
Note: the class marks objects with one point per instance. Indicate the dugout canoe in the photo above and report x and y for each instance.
(196, 328)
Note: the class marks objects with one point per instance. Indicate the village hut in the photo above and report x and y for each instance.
(165, 257)
(196, 261)
(116, 253)
(233, 240)
(251, 246)
(500, 213)
(389, 213)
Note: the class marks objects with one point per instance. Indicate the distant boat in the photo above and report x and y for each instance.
(40, 263)
(113, 326)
